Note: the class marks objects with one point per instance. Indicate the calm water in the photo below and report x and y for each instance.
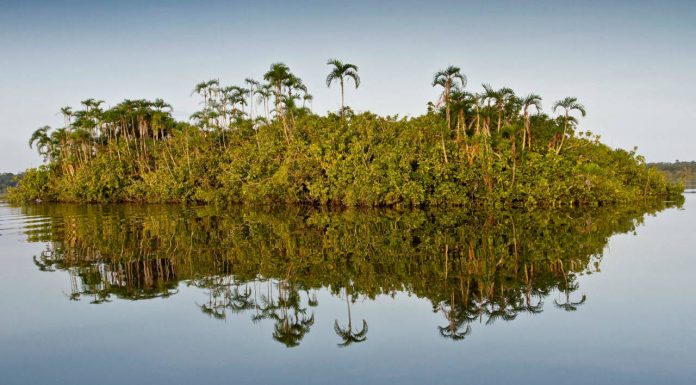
(167, 295)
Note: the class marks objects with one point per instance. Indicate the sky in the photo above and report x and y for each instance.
(631, 63)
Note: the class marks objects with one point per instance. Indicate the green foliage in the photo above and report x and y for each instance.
(36, 185)
(477, 150)
(679, 172)
(8, 180)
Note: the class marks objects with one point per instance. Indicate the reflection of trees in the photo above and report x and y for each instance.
(291, 319)
(281, 303)
(347, 334)
(484, 268)
(458, 319)
(569, 285)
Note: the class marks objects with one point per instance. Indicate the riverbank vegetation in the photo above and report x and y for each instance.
(7, 179)
(679, 172)
(262, 143)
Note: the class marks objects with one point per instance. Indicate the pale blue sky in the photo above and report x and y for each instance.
(632, 63)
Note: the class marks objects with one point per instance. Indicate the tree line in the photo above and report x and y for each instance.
(684, 172)
(262, 142)
(8, 179)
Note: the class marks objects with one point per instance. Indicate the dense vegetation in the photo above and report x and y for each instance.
(268, 265)
(7, 180)
(684, 172)
(262, 143)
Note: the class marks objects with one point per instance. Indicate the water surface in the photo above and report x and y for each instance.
(116, 294)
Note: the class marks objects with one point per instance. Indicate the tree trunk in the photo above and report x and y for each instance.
(444, 149)
(565, 129)
(526, 128)
(447, 106)
(342, 98)
(461, 123)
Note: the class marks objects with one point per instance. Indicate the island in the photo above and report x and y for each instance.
(261, 143)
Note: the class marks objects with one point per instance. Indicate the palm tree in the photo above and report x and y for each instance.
(59, 142)
(476, 102)
(279, 75)
(461, 102)
(531, 100)
(307, 98)
(67, 114)
(160, 105)
(488, 96)
(264, 93)
(253, 84)
(42, 141)
(276, 75)
(504, 96)
(568, 105)
(340, 72)
(348, 335)
(202, 90)
(449, 78)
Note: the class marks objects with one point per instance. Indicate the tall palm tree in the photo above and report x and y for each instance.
(568, 105)
(341, 72)
(487, 98)
(307, 98)
(67, 114)
(253, 84)
(276, 75)
(279, 75)
(202, 90)
(160, 105)
(476, 102)
(531, 100)
(449, 78)
(42, 141)
(461, 102)
(264, 93)
(504, 96)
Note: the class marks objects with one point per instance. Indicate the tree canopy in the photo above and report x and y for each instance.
(261, 143)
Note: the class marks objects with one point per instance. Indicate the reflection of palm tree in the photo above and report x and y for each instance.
(348, 335)
(212, 310)
(569, 286)
(528, 306)
(215, 307)
(240, 301)
(312, 300)
(501, 311)
(453, 329)
(292, 322)
(569, 305)
(291, 329)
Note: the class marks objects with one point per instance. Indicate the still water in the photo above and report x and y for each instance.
(170, 295)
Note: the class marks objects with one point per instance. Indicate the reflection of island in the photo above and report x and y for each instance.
(269, 265)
